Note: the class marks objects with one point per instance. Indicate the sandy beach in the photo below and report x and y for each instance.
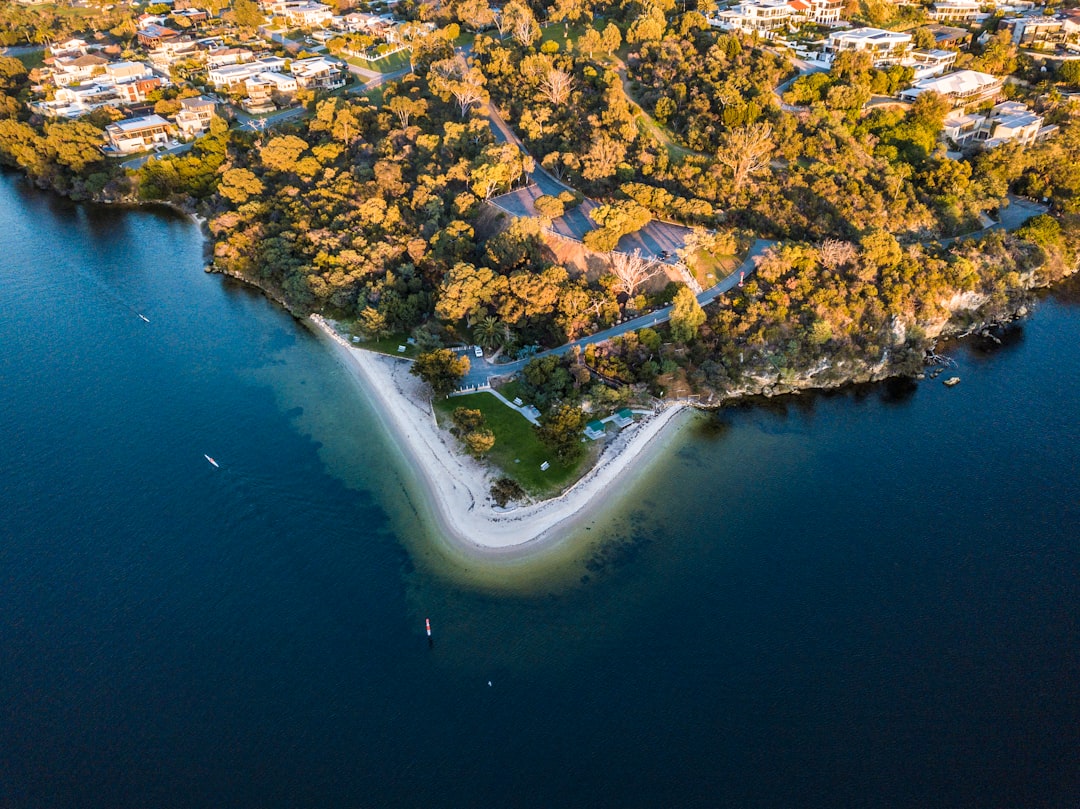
(458, 486)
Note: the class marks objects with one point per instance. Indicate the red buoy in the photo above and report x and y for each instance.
(427, 623)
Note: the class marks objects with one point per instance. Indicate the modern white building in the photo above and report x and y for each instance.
(884, 47)
(821, 12)
(76, 70)
(317, 73)
(956, 10)
(307, 15)
(194, 116)
(962, 87)
(930, 63)
(754, 15)
(1008, 122)
(232, 77)
(118, 72)
(138, 134)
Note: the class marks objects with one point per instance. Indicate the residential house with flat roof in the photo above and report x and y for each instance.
(138, 134)
(956, 10)
(931, 62)
(127, 71)
(317, 73)
(307, 15)
(754, 15)
(194, 116)
(232, 77)
(1034, 30)
(884, 47)
(1008, 122)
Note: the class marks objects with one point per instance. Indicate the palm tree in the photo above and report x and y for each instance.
(490, 332)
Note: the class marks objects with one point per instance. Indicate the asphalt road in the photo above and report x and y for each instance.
(481, 370)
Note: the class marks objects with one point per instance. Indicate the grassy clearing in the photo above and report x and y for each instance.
(32, 60)
(512, 390)
(563, 35)
(386, 64)
(517, 453)
(708, 268)
(387, 345)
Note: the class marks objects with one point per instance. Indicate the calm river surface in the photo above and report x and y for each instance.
(864, 599)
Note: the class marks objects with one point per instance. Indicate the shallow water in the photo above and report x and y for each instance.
(860, 599)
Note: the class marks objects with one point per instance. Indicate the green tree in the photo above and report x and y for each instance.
(686, 316)
(466, 419)
(239, 185)
(74, 144)
(281, 153)
(1070, 73)
(441, 369)
(479, 442)
(560, 431)
(247, 13)
(12, 73)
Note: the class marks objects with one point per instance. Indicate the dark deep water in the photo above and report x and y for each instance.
(863, 599)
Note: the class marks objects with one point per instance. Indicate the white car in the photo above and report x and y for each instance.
(478, 351)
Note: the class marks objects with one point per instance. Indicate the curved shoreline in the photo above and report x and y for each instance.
(457, 487)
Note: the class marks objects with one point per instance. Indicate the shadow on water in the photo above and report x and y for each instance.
(1067, 293)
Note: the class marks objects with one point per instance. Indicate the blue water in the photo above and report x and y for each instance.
(863, 599)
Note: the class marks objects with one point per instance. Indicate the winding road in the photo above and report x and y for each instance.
(481, 371)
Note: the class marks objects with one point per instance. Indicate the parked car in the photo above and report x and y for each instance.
(478, 351)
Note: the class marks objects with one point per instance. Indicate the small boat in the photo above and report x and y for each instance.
(952, 380)
(144, 317)
(215, 463)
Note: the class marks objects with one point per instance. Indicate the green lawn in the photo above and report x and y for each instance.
(557, 32)
(518, 453)
(32, 60)
(388, 345)
(708, 269)
(385, 64)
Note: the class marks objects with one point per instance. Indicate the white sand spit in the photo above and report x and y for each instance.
(459, 486)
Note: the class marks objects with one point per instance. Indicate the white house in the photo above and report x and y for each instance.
(1008, 122)
(194, 116)
(307, 15)
(754, 15)
(118, 72)
(138, 134)
(68, 70)
(930, 62)
(219, 57)
(961, 87)
(317, 73)
(822, 12)
(231, 77)
(885, 47)
(956, 10)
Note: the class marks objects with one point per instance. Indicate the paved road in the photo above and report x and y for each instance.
(142, 160)
(1012, 216)
(804, 67)
(481, 371)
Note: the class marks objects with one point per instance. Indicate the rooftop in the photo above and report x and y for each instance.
(135, 124)
(875, 34)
